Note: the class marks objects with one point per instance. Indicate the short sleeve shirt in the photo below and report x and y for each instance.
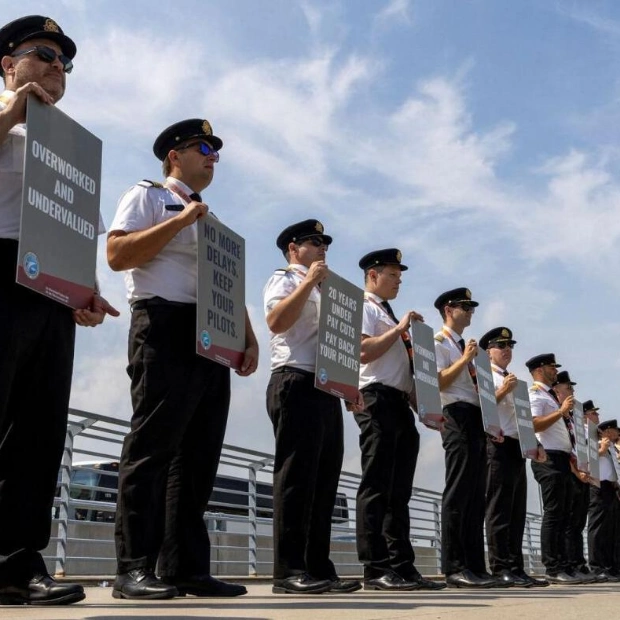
(392, 368)
(556, 437)
(448, 352)
(172, 273)
(296, 346)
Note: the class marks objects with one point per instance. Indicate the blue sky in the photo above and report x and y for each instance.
(478, 136)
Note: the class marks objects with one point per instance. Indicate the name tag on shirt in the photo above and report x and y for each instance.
(174, 207)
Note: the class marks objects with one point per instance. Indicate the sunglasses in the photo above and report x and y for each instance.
(464, 306)
(317, 242)
(203, 148)
(503, 345)
(48, 55)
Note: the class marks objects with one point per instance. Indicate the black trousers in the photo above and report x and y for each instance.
(603, 528)
(506, 504)
(37, 338)
(462, 511)
(308, 429)
(170, 457)
(389, 442)
(578, 502)
(553, 476)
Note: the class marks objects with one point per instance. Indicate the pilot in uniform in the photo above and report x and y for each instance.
(307, 422)
(506, 494)
(180, 399)
(552, 425)
(604, 510)
(389, 439)
(37, 334)
(464, 443)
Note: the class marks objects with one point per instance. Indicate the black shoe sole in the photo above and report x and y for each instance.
(355, 588)
(146, 597)
(470, 586)
(285, 590)
(203, 594)
(68, 599)
(381, 589)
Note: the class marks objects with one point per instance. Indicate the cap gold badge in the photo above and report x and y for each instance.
(399, 256)
(51, 26)
(505, 333)
(318, 227)
(206, 128)
(467, 293)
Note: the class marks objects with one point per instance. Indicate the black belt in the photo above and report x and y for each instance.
(386, 389)
(559, 452)
(301, 371)
(142, 304)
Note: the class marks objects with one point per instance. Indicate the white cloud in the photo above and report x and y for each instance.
(395, 10)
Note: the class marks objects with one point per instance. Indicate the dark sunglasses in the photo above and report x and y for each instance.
(503, 345)
(317, 242)
(464, 306)
(47, 54)
(203, 148)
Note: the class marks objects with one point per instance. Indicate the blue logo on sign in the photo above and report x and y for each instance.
(31, 265)
(205, 339)
(322, 376)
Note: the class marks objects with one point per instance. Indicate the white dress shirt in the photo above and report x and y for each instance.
(296, 346)
(506, 407)
(556, 437)
(392, 368)
(11, 175)
(172, 274)
(462, 389)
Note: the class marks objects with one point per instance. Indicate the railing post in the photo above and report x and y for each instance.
(253, 468)
(437, 541)
(530, 546)
(66, 466)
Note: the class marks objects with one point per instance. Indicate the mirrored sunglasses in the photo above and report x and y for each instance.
(48, 55)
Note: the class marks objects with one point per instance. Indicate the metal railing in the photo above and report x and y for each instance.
(239, 521)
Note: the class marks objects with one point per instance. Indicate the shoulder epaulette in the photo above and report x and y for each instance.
(147, 183)
(439, 337)
(283, 270)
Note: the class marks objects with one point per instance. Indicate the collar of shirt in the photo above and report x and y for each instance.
(188, 190)
(373, 296)
(297, 268)
(542, 386)
(454, 335)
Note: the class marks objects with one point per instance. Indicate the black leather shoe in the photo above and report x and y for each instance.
(390, 582)
(142, 583)
(536, 582)
(204, 585)
(344, 586)
(521, 580)
(583, 577)
(507, 578)
(496, 582)
(562, 578)
(467, 579)
(609, 576)
(423, 584)
(41, 590)
(301, 584)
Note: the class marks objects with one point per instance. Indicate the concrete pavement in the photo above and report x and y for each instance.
(578, 602)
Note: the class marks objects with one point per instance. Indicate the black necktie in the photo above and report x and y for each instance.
(568, 422)
(404, 336)
(196, 196)
(505, 373)
(470, 367)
